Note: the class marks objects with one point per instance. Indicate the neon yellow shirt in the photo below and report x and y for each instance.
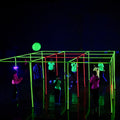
(97, 71)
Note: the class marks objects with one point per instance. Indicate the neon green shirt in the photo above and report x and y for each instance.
(74, 67)
(51, 65)
(57, 86)
(101, 66)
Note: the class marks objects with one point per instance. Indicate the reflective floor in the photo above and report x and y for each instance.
(80, 109)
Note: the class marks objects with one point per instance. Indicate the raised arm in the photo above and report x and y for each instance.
(18, 81)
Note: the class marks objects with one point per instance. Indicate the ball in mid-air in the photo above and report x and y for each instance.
(36, 46)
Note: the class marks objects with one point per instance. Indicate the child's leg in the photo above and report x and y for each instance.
(14, 92)
(96, 99)
(57, 94)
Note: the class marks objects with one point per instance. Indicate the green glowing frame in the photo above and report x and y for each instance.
(108, 57)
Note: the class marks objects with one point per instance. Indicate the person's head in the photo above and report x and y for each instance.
(51, 59)
(57, 78)
(37, 63)
(95, 66)
(94, 73)
(15, 71)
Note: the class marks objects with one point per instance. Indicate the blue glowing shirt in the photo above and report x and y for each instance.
(37, 71)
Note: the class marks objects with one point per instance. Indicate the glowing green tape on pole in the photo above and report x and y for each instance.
(15, 62)
(102, 54)
(31, 84)
(114, 72)
(88, 81)
(65, 79)
(114, 104)
(112, 77)
(37, 59)
(96, 57)
(110, 88)
(73, 59)
(7, 58)
(30, 67)
(29, 57)
(68, 86)
(43, 81)
(55, 62)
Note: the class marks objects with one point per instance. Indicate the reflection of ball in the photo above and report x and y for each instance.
(36, 46)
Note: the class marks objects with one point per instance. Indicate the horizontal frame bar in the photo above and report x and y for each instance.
(54, 62)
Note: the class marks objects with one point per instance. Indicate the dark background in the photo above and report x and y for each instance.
(57, 26)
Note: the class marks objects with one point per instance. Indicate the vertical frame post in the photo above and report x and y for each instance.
(114, 70)
(65, 78)
(77, 80)
(15, 62)
(112, 84)
(68, 86)
(84, 69)
(56, 66)
(30, 68)
(88, 53)
(43, 80)
(110, 76)
(45, 77)
(88, 81)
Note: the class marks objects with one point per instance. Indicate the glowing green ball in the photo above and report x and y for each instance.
(36, 46)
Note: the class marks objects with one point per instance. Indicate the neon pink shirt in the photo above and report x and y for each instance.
(94, 80)
(16, 80)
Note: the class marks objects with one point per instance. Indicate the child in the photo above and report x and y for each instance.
(94, 81)
(57, 88)
(51, 68)
(37, 85)
(97, 71)
(15, 81)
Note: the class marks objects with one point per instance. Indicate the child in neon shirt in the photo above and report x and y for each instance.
(94, 81)
(57, 84)
(15, 82)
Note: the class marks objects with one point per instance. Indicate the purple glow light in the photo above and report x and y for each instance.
(71, 81)
(15, 67)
